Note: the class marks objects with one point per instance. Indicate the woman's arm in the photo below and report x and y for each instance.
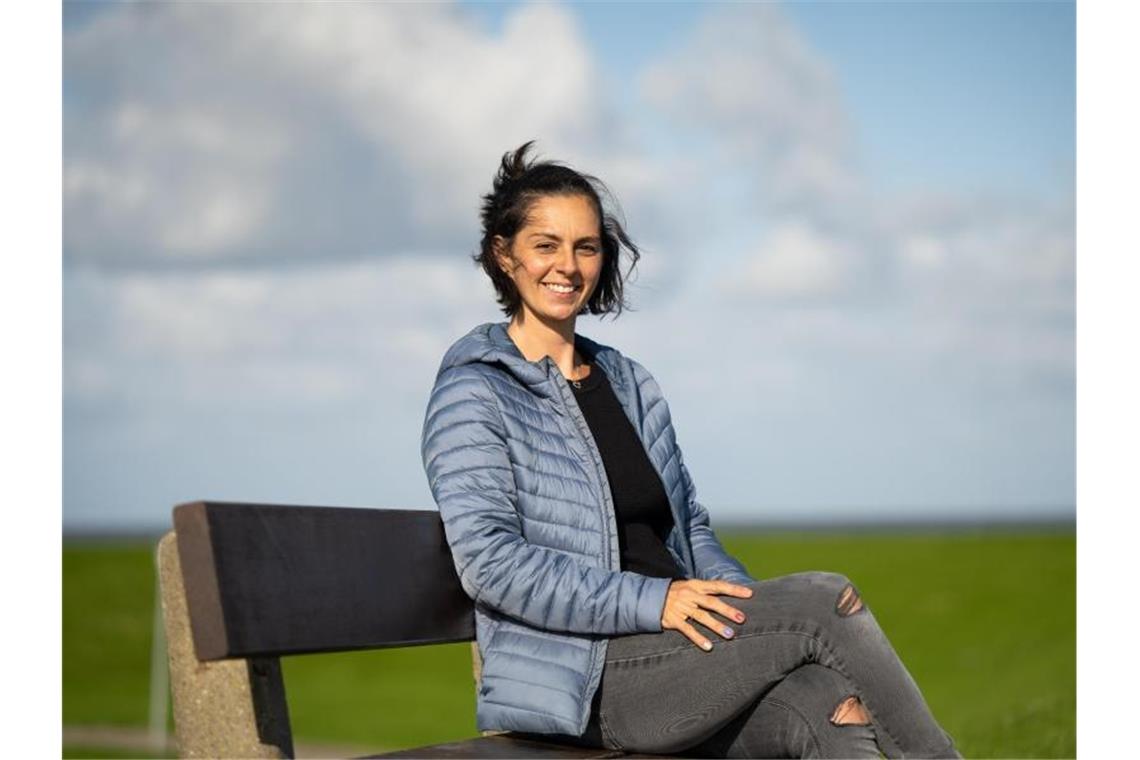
(711, 560)
(466, 457)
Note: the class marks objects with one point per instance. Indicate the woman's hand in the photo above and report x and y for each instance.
(692, 599)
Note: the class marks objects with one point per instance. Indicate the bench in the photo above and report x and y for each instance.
(245, 584)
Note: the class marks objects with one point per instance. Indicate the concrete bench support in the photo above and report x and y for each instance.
(222, 708)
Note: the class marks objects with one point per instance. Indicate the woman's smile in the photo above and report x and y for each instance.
(565, 292)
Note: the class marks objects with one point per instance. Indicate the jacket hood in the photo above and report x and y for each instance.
(489, 343)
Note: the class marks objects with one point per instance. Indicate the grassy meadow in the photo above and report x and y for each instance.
(985, 622)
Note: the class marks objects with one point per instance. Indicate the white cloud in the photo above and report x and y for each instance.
(750, 79)
(266, 337)
(922, 278)
(220, 132)
(794, 260)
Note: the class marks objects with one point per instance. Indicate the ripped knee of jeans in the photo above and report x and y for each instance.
(849, 601)
(850, 712)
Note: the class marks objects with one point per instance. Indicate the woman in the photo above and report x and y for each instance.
(607, 612)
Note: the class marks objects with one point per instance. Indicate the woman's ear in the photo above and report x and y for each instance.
(501, 251)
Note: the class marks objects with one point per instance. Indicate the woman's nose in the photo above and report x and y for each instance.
(566, 261)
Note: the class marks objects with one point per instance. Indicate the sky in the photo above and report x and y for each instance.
(857, 223)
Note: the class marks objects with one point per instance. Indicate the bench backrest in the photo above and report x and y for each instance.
(267, 580)
(244, 584)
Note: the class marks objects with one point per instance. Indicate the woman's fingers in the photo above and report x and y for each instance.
(725, 609)
(710, 622)
(716, 604)
(694, 635)
(694, 599)
(706, 619)
(732, 589)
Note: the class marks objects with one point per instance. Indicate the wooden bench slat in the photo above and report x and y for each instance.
(271, 580)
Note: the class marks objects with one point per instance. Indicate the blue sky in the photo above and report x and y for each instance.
(857, 288)
(964, 75)
(966, 95)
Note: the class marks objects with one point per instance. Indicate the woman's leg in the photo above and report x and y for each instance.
(797, 718)
(660, 693)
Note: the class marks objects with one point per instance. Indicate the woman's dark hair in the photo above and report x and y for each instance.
(518, 184)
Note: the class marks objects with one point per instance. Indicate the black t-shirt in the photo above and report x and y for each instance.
(644, 518)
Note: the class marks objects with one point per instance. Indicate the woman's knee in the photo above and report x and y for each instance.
(814, 688)
(827, 593)
(839, 594)
(822, 693)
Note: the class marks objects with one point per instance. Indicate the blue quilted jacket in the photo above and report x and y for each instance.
(529, 517)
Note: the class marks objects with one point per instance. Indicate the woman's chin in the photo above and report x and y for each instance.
(559, 312)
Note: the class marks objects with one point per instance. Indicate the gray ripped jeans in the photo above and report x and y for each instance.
(779, 687)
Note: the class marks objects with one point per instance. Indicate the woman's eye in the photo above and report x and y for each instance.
(546, 246)
(590, 248)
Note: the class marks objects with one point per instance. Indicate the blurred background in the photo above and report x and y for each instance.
(856, 291)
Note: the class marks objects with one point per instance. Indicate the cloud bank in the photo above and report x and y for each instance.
(269, 210)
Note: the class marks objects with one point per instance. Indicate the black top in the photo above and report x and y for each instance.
(644, 518)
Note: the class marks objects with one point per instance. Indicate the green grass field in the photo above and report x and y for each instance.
(985, 622)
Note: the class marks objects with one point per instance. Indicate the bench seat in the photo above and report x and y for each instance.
(507, 746)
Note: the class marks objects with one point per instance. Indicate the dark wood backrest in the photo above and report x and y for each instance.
(268, 580)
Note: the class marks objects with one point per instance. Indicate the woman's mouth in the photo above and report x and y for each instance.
(565, 291)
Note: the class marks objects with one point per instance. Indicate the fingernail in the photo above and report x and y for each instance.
(728, 632)
(707, 645)
(740, 617)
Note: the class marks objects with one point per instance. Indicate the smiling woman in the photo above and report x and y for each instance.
(574, 526)
(555, 263)
(558, 249)
(548, 227)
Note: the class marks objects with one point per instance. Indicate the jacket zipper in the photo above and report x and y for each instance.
(610, 516)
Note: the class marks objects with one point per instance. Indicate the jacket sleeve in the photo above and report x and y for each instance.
(709, 556)
(466, 456)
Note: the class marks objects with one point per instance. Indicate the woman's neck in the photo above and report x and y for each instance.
(536, 339)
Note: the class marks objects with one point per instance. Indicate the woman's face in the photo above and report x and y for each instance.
(559, 245)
